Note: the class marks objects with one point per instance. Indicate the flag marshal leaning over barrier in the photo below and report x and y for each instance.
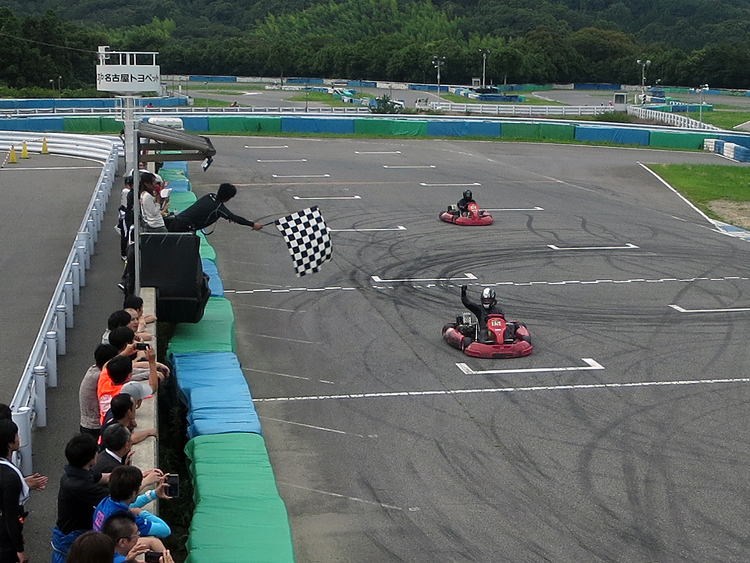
(307, 238)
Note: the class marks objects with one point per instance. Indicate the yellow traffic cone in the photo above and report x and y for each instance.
(45, 148)
(24, 150)
(12, 159)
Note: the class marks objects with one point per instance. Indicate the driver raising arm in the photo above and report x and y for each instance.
(488, 307)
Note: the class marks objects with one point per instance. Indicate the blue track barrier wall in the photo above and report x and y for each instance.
(340, 126)
(445, 128)
(618, 135)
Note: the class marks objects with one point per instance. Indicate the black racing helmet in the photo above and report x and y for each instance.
(488, 297)
(467, 194)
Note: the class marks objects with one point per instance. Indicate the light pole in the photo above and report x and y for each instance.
(59, 85)
(437, 62)
(485, 54)
(644, 63)
(52, 86)
(702, 89)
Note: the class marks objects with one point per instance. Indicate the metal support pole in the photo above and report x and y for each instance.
(68, 290)
(51, 340)
(60, 317)
(22, 418)
(40, 395)
(131, 148)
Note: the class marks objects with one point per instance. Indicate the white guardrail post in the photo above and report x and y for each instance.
(29, 403)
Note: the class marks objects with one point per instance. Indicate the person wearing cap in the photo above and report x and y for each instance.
(207, 210)
(152, 217)
(122, 409)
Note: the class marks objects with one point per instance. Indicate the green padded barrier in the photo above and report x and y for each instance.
(172, 174)
(87, 124)
(373, 126)
(206, 250)
(226, 124)
(410, 127)
(679, 139)
(521, 130)
(179, 201)
(239, 516)
(110, 125)
(263, 124)
(557, 131)
(214, 332)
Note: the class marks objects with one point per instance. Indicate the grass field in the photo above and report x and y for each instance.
(704, 184)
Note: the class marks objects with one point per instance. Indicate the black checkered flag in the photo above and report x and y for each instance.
(308, 239)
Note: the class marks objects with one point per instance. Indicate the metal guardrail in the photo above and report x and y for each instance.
(193, 110)
(670, 118)
(29, 403)
(521, 110)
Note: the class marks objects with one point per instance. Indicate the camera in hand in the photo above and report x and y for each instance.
(152, 556)
(174, 485)
(142, 346)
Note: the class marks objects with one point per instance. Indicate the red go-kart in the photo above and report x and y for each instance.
(475, 216)
(505, 339)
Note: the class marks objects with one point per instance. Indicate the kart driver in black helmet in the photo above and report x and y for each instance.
(488, 307)
(463, 203)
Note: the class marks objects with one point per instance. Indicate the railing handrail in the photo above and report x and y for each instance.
(29, 400)
(670, 118)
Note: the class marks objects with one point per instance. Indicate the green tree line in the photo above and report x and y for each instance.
(534, 41)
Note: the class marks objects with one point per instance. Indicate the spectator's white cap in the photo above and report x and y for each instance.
(136, 390)
(158, 179)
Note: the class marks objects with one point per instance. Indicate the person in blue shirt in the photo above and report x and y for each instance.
(129, 544)
(124, 484)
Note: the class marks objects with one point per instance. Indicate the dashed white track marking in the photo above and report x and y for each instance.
(467, 276)
(283, 160)
(517, 209)
(736, 310)
(591, 364)
(377, 152)
(268, 147)
(300, 175)
(626, 247)
(525, 389)
(397, 228)
(332, 197)
(323, 428)
(426, 185)
(355, 499)
(410, 166)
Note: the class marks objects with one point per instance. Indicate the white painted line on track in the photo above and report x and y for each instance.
(411, 166)
(279, 338)
(301, 176)
(681, 310)
(591, 364)
(323, 428)
(397, 228)
(55, 168)
(340, 496)
(572, 387)
(332, 197)
(288, 375)
(467, 276)
(268, 147)
(626, 247)
(377, 152)
(517, 209)
(283, 160)
(426, 185)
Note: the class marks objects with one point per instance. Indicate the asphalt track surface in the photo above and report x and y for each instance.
(622, 438)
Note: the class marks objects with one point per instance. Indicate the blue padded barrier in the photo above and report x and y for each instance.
(619, 135)
(742, 154)
(215, 390)
(204, 78)
(344, 126)
(195, 122)
(180, 165)
(742, 140)
(214, 281)
(47, 124)
(445, 128)
(179, 185)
